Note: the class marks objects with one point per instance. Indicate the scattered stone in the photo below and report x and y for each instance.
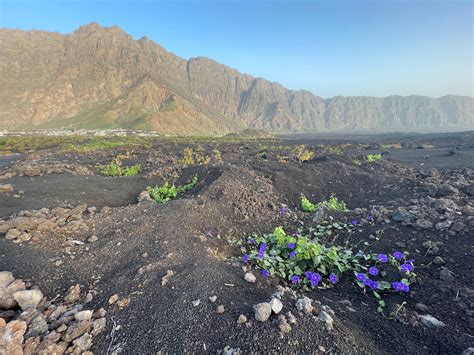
(89, 298)
(431, 322)
(276, 305)
(28, 299)
(6, 188)
(196, 302)
(92, 239)
(83, 315)
(242, 319)
(6, 294)
(231, 351)
(439, 261)
(82, 344)
(220, 309)
(401, 216)
(291, 318)
(98, 326)
(38, 326)
(73, 295)
(262, 311)
(249, 277)
(11, 337)
(213, 299)
(6, 278)
(304, 304)
(468, 351)
(326, 318)
(283, 325)
(77, 329)
(12, 234)
(165, 279)
(113, 299)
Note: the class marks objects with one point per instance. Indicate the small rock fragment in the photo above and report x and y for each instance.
(431, 322)
(276, 305)
(326, 318)
(242, 319)
(220, 309)
(28, 299)
(113, 299)
(249, 277)
(262, 311)
(73, 295)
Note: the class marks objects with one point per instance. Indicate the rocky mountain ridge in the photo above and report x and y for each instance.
(100, 77)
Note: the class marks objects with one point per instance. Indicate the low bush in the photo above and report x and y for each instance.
(115, 168)
(373, 157)
(167, 192)
(332, 203)
(304, 261)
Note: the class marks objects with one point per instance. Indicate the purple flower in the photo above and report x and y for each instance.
(246, 258)
(407, 268)
(333, 278)
(355, 222)
(382, 258)
(265, 273)
(295, 279)
(283, 210)
(308, 274)
(370, 218)
(252, 241)
(291, 245)
(373, 271)
(400, 286)
(361, 277)
(315, 278)
(398, 255)
(372, 284)
(292, 254)
(261, 251)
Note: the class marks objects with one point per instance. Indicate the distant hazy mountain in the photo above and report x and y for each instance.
(101, 78)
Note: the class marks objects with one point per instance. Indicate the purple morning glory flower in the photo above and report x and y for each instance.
(246, 258)
(382, 258)
(407, 268)
(400, 286)
(370, 218)
(355, 222)
(292, 254)
(295, 279)
(291, 245)
(308, 274)
(261, 251)
(372, 284)
(333, 278)
(361, 277)
(398, 255)
(315, 278)
(265, 273)
(373, 271)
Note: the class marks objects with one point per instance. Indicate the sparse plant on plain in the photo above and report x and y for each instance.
(303, 153)
(374, 157)
(167, 192)
(115, 168)
(332, 203)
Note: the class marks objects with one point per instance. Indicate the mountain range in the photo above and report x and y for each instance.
(98, 77)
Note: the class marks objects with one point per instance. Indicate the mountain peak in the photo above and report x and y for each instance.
(101, 77)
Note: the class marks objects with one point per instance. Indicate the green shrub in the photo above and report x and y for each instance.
(115, 169)
(332, 203)
(303, 154)
(285, 255)
(373, 157)
(167, 192)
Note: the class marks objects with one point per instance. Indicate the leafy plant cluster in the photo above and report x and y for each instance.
(115, 168)
(374, 157)
(333, 150)
(167, 192)
(303, 153)
(304, 261)
(195, 156)
(332, 203)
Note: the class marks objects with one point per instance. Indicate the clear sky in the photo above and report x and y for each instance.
(330, 47)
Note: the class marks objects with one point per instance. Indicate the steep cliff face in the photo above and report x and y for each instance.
(100, 77)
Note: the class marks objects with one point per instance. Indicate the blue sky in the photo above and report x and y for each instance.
(363, 47)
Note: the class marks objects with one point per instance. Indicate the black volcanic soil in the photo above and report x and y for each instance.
(194, 236)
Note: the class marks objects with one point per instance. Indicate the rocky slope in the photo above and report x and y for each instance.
(101, 77)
